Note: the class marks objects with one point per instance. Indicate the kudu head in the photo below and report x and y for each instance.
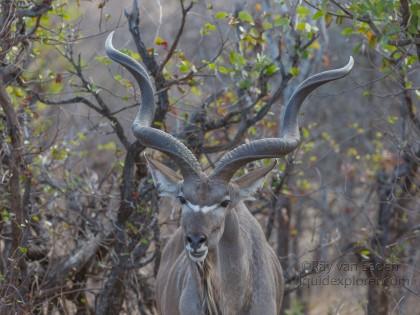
(206, 199)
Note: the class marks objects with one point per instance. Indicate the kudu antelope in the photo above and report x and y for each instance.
(218, 261)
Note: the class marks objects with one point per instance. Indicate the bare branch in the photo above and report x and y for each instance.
(16, 263)
(185, 11)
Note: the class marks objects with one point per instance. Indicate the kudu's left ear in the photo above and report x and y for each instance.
(251, 182)
(165, 180)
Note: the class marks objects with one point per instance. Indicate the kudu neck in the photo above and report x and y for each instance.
(231, 235)
(231, 247)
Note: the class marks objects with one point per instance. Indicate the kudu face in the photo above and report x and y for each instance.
(204, 203)
(204, 207)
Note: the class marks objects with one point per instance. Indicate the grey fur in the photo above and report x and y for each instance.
(241, 273)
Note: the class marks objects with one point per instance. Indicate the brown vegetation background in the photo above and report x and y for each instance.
(81, 226)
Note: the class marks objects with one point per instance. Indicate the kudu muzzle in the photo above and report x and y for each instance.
(196, 246)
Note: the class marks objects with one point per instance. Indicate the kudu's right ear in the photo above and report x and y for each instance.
(249, 184)
(166, 180)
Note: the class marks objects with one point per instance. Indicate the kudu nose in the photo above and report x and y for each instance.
(196, 240)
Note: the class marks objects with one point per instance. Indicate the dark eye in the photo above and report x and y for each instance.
(182, 199)
(225, 203)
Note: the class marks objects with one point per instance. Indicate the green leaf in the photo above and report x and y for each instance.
(55, 87)
(160, 41)
(294, 71)
(237, 59)
(318, 15)
(328, 18)
(365, 253)
(18, 92)
(304, 27)
(104, 60)
(392, 119)
(300, 26)
(347, 31)
(196, 91)
(186, 67)
(339, 20)
(59, 154)
(224, 70)
(252, 131)
(212, 66)
(23, 250)
(366, 93)
(5, 215)
(267, 25)
(40, 106)
(357, 48)
(302, 11)
(279, 20)
(110, 146)
(221, 15)
(208, 28)
(244, 16)
(271, 69)
(245, 84)
(305, 133)
(131, 53)
(411, 60)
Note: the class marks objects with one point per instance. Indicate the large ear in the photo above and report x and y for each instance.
(251, 182)
(165, 180)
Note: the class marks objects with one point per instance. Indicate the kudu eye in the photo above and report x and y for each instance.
(225, 203)
(182, 200)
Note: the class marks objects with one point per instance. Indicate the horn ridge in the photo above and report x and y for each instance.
(290, 139)
(142, 130)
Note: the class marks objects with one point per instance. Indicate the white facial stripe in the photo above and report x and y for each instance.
(204, 209)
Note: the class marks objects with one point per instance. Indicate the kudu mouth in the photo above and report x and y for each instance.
(197, 255)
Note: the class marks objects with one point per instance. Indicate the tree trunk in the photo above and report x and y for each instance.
(283, 211)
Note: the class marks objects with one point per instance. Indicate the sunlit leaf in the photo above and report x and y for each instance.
(294, 71)
(302, 11)
(221, 15)
(246, 17)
